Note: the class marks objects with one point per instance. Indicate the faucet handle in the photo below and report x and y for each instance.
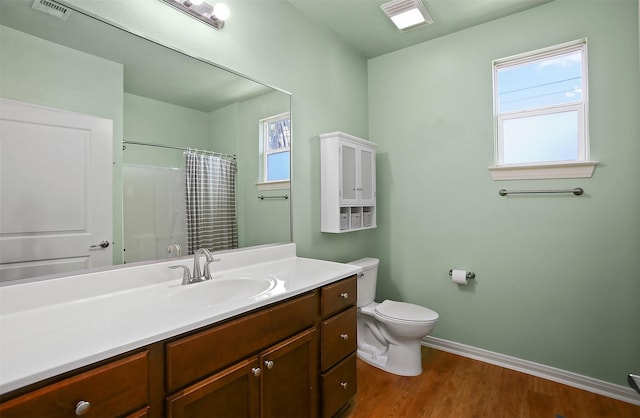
(207, 269)
(186, 273)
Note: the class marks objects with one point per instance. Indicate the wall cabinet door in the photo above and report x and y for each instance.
(290, 377)
(367, 184)
(348, 174)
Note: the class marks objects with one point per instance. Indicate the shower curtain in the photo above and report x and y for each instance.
(211, 202)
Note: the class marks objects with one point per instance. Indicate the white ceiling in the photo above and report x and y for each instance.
(362, 24)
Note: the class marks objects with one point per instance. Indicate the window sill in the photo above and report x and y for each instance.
(543, 171)
(274, 185)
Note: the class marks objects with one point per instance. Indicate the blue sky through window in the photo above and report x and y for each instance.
(547, 82)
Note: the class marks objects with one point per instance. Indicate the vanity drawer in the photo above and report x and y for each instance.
(337, 296)
(196, 356)
(338, 335)
(112, 390)
(339, 385)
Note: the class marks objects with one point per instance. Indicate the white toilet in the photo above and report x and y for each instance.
(389, 333)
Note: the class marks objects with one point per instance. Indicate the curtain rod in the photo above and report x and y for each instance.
(149, 144)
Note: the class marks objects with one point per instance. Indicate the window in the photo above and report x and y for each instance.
(541, 114)
(275, 150)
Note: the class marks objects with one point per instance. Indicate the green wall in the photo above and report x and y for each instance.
(557, 276)
(57, 76)
(156, 122)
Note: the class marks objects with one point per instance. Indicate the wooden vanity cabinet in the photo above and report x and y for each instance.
(338, 330)
(279, 378)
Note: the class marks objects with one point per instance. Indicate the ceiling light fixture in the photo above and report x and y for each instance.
(407, 14)
(203, 11)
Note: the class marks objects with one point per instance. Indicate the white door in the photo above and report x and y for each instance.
(55, 191)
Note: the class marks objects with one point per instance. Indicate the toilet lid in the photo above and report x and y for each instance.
(406, 311)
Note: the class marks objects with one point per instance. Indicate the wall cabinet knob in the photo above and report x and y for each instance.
(344, 295)
(82, 408)
(256, 371)
(344, 385)
(345, 336)
(269, 364)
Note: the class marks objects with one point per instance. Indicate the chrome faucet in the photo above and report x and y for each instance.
(198, 275)
(174, 247)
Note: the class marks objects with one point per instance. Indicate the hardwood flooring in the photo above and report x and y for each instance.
(452, 386)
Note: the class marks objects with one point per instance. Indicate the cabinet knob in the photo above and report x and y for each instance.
(269, 364)
(344, 295)
(256, 371)
(344, 385)
(345, 336)
(82, 408)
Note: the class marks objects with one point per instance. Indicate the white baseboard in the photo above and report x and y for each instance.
(587, 383)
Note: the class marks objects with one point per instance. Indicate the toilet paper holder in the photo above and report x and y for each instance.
(470, 274)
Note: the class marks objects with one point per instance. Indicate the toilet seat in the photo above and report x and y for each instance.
(402, 312)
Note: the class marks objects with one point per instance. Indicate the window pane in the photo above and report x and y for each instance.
(545, 82)
(278, 166)
(534, 139)
(279, 134)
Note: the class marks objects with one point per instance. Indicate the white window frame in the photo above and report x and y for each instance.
(582, 166)
(263, 184)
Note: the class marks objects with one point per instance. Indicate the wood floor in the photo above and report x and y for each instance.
(455, 386)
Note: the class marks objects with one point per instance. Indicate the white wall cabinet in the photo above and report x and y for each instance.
(348, 183)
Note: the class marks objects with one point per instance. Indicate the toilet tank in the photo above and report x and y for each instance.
(367, 282)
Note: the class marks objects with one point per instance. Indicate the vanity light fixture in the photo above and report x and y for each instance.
(203, 11)
(407, 14)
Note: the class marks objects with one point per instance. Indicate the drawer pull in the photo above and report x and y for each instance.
(82, 408)
(344, 385)
(269, 364)
(256, 371)
(345, 337)
(344, 295)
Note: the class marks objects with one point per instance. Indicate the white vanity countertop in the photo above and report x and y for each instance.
(54, 326)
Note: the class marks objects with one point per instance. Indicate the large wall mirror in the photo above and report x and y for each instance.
(160, 104)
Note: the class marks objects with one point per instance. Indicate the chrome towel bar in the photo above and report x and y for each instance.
(577, 191)
(263, 197)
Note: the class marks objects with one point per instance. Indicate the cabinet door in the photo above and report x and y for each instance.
(231, 393)
(290, 379)
(367, 182)
(348, 173)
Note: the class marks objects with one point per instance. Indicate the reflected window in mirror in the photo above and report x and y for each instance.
(275, 151)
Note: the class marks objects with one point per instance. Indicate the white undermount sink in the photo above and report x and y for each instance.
(222, 290)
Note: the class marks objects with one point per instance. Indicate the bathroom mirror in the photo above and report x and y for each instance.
(168, 102)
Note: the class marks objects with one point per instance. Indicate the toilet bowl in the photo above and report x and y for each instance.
(389, 333)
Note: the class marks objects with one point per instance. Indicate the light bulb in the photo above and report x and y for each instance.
(221, 11)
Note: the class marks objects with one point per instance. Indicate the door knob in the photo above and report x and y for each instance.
(103, 244)
(345, 336)
(256, 371)
(344, 295)
(269, 364)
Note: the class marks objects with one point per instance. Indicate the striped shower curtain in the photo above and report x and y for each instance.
(211, 202)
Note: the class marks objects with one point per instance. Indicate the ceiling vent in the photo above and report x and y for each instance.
(407, 14)
(52, 8)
